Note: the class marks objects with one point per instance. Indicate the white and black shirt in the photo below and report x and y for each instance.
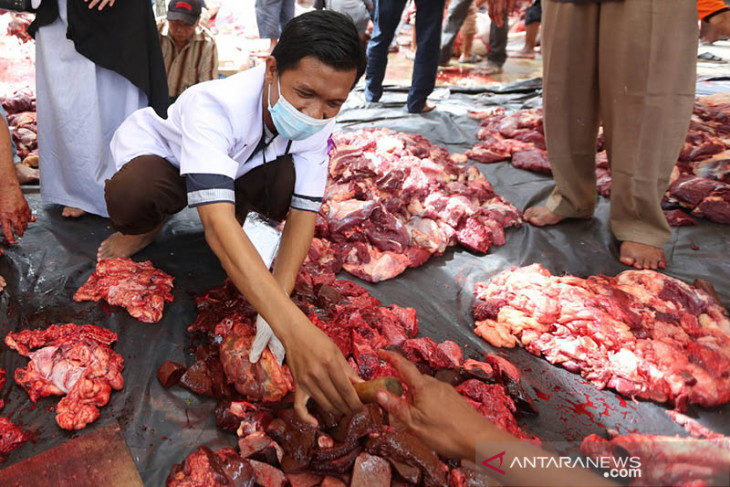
(213, 133)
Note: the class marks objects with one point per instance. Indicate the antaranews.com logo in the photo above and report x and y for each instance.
(562, 464)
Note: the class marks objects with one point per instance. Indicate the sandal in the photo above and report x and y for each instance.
(710, 58)
(471, 60)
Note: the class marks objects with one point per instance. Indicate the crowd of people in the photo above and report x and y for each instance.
(129, 131)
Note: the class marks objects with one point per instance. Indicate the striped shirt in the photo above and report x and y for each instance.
(196, 62)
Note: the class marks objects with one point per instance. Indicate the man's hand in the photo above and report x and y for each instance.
(497, 8)
(438, 415)
(265, 338)
(14, 212)
(320, 372)
(100, 3)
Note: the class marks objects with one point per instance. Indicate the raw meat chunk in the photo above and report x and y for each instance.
(71, 361)
(137, 286)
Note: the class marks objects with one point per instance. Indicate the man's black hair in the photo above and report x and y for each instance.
(326, 35)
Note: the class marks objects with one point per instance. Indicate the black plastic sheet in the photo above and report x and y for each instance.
(162, 426)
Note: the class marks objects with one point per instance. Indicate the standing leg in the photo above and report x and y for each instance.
(267, 20)
(286, 13)
(570, 101)
(387, 16)
(647, 82)
(497, 55)
(455, 15)
(429, 15)
(468, 31)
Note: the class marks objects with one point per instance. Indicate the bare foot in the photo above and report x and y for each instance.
(2, 284)
(428, 107)
(523, 54)
(120, 245)
(540, 216)
(71, 212)
(642, 256)
(26, 174)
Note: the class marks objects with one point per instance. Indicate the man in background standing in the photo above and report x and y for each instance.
(429, 14)
(188, 48)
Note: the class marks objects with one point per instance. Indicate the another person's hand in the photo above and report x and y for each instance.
(438, 415)
(497, 8)
(320, 372)
(14, 212)
(100, 3)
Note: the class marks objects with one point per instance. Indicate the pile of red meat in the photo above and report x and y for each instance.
(665, 460)
(11, 437)
(700, 183)
(393, 200)
(640, 333)
(362, 449)
(20, 109)
(136, 286)
(74, 361)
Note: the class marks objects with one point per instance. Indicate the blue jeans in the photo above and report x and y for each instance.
(429, 14)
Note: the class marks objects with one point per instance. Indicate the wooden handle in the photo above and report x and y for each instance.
(366, 390)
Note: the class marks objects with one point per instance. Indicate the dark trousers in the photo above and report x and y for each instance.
(429, 14)
(455, 16)
(148, 188)
(498, 42)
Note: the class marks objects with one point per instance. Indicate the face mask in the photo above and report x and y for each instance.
(290, 122)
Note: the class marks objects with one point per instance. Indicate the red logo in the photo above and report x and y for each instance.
(488, 460)
(184, 5)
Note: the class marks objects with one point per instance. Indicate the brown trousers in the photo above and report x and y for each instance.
(630, 64)
(148, 188)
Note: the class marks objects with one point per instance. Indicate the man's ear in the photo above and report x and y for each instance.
(271, 73)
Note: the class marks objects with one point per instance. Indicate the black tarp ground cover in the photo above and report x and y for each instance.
(162, 426)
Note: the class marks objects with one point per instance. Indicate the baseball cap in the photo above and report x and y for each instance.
(186, 10)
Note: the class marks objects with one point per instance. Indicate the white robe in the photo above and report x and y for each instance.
(80, 105)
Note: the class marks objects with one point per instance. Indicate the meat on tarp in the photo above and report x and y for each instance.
(700, 183)
(280, 448)
(641, 333)
(664, 460)
(137, 286)
(74, 361)
(393, 200)
(11, 436)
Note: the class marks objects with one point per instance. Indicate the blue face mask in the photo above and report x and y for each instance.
(290, 122)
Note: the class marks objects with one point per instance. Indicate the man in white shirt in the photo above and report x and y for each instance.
(257, 140)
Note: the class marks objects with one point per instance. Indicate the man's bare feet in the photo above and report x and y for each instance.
(120, 245)
(71, 212)
(428, 107)
(522, 54)
(642, 256)
(540, 216)
(26, 174)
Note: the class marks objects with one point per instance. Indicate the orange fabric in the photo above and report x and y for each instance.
(709, 7)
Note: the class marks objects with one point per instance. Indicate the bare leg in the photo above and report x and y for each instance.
(528, 51)
(71, 212)
(272, 44)
(541, 216)
(466, 46)
(120, 245)
(642, 256)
